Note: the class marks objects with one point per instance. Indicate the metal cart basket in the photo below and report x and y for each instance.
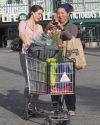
(47, 75)
(50, 78)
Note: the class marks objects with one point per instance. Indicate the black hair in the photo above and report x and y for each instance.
(67, 6)
(34, 8)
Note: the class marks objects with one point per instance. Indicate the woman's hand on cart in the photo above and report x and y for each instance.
(26, 46)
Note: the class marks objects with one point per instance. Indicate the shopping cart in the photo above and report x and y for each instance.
(48, 75)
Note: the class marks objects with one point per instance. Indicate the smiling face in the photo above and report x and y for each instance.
(62, 15)
(37, 16)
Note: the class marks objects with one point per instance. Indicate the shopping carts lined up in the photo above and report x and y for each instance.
(49, 75)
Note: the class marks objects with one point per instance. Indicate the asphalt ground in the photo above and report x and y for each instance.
(12, 86)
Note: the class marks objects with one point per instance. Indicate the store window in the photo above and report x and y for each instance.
(14, 1)
(12, 33)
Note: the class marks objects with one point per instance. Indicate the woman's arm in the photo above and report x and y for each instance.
(22, 32)
(68, 32)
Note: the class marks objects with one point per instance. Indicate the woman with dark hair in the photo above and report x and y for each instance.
(29, 29)
(67, 31)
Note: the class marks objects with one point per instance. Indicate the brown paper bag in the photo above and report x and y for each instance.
(73, 49)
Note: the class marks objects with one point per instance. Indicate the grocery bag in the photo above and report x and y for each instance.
(73, 49)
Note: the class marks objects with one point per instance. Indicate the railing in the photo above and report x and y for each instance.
(91, 33)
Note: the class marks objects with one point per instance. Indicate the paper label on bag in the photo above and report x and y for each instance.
(64, 78)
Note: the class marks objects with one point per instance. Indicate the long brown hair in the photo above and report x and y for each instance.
(34, 8)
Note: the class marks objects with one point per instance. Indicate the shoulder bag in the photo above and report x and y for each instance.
(16, 44)
(73, 50)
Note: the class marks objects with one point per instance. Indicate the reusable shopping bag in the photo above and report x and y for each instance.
(63, 69)
(73, 50)
(53, 68)
(64, 79)
(42, 51)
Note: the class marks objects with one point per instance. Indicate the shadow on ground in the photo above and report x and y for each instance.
(14, 102)
(9, 70)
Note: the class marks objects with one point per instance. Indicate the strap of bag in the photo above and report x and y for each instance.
(65, 46)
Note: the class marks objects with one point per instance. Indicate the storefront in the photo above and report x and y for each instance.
(7, 32)
(9, 28)
(12, 11)
(87, 20)
(89, 26)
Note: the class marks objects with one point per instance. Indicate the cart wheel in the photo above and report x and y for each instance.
(26, 115)
(47, 122)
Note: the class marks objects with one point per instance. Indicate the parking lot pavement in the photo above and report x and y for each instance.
(12, 86)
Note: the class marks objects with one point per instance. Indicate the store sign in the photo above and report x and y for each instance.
(13, 12)
(85, 15)
(13, 17)
(22, 16)
(9, 18)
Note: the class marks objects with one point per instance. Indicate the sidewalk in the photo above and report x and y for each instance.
(12, 86)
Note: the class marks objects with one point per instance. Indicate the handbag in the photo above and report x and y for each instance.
(16, 44)
(73, 49)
